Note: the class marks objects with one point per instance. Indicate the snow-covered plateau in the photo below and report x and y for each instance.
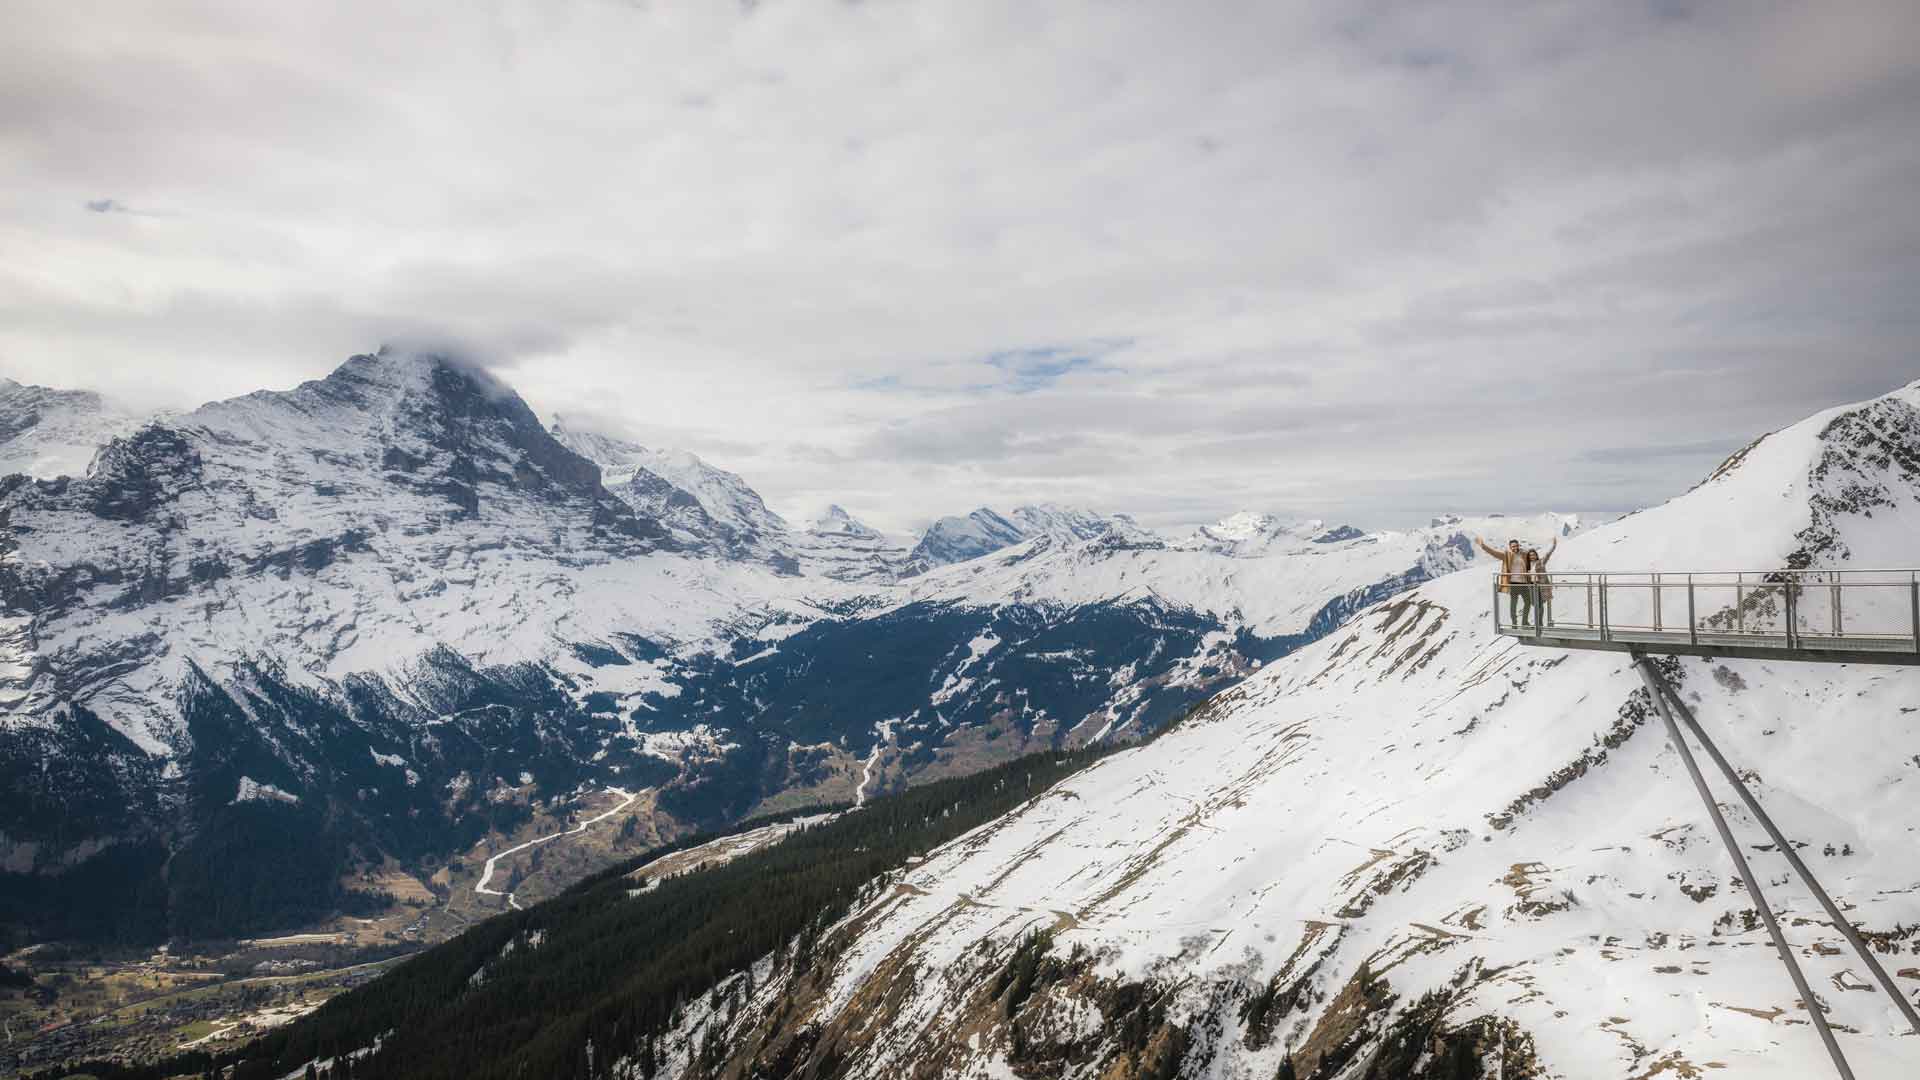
(398, 598)
(1415, 848)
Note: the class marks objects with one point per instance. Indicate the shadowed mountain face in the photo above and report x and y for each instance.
(1413, 849)
(392, 612)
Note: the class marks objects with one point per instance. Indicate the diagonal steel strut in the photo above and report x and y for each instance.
(1840, 921)
(1657, 688)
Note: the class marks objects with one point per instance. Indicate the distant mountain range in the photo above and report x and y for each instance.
(395, 612)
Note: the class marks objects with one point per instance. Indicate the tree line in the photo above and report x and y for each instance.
(616, 966)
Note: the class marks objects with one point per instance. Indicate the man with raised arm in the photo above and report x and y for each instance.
(1512, 563)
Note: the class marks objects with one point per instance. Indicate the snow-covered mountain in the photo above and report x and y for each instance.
(710, 509)
(702, 505)
(840, 546)
(956, 539)
(952, 540)
(46, 433)
(396, 598)
(1250, 534)
(1416, 849)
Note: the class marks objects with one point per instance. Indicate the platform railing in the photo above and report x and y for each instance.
(1805, 610)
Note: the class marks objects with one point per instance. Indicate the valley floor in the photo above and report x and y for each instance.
(96, 1004)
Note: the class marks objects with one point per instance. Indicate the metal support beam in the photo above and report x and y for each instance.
(1840, 921)
(1656, 688)
(1693, 622)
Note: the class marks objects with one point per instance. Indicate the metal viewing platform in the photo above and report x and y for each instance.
(1828, 616)
(1819, 616)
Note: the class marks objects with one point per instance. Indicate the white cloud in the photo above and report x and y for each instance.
(1355, 259)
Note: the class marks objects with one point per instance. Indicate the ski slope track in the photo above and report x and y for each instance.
(1416, 845)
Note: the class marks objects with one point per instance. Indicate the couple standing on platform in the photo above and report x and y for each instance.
(1523, 577)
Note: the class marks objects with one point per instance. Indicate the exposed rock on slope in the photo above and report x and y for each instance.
(1415, 844)
(957, 539)
(393, 595)
(704, 506)
(47, 433)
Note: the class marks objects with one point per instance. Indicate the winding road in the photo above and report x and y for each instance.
(486, 874)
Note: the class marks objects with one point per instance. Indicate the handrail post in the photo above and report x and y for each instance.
(1834, 594)
(1589, 601)
(1693, 627)
(1740, 602)
(1496, 604)
(1656, 603)
(1792, 615)
(1606, 631)
(1913, 596)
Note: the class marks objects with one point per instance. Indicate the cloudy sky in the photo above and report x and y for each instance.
(1360, 259)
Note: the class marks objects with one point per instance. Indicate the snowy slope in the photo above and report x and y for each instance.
(47, 433)
(838, 545)
(956, 539)
(953, 540)
(653, 480)
(1272, 580)
(1415, 841)
(1248, 533)
(393, 592)
(343, 525)
(715, 511)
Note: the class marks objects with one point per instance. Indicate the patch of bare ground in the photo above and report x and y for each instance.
(975, 749)
(1361, 1037)
(830, 775)
(1674, 1064)
(1292, 987)
(1401, 872)
(1041, 1012)
(1045, 1012)
(1536, 895)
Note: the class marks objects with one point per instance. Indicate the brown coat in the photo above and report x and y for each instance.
(1513, 564)
(1542, 583)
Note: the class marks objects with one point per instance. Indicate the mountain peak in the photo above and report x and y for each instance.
(610, 452)
(957, 539)
(1065, 522)
(837, 522)
(1249, 531)
(46, 432)
(710, 504)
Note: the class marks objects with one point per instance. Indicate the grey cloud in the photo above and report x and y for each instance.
(1351, 259)
(1631, 455)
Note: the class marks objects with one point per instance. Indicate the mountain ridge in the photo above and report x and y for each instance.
(397, 597)
(1412, 849)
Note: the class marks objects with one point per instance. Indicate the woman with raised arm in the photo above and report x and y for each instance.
(1539, 585)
